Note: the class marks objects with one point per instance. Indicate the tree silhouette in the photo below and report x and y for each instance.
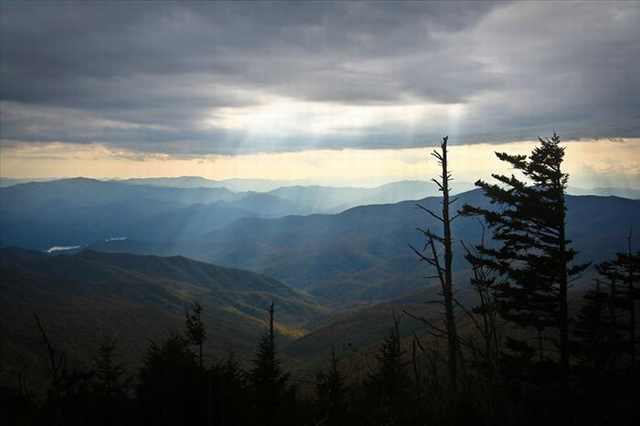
(68, 393)
(269, 382)
(596, 336)
(170, 384)
(389, 385)
(110, 383)
(606, 342)
(332, 393)
(109, 374)
(196, 331)
(533, 254)
(483, 282)
(621, 275)
(444, 266)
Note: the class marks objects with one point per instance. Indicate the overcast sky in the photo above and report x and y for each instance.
(193, 79)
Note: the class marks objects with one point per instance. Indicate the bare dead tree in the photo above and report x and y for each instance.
(56, 358)
(57, 362)
(443, 262)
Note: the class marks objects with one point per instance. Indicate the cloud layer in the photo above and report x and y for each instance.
(218, 78)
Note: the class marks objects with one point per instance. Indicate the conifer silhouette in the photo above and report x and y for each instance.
(389, 385)
(533, 253)
(196, 331)
(270, 383)
(110, 382)
(622, 275)
(170, 384)
(332, 392)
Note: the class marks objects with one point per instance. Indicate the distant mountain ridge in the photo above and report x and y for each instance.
(325, 199)
(80, 211)
(235, 185)
(362, 256)
(269, 185)
(606, 191)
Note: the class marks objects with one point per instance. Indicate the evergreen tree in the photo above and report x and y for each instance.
(171, 384)
(269, 382)
(110, 383)
(229, 393)
(196, 331)
(533, 255)
(332, 393)
(606, 342)
(596, 336)
(622, 275)
(389, 385)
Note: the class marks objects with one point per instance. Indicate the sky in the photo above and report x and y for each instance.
(324, 91)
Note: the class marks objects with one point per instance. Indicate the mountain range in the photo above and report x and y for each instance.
(362, 255)
(71, 212)
(336, 278)
(80, 211)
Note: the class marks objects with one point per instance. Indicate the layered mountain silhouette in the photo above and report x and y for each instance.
(362, 255)
(80, 211)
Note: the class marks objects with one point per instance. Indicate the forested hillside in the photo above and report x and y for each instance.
(83, 297)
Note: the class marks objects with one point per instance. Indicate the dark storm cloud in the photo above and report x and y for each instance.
(147, 76)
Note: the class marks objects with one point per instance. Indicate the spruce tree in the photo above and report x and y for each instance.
(269, 382)
(229, 393)
(332, 393)
(170, 384)
(389, 385)
(111, 381)
(532, 253)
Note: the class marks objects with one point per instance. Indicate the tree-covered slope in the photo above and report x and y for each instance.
(136, 298)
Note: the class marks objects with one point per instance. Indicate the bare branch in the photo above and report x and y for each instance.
(430, 212)
(55, 363)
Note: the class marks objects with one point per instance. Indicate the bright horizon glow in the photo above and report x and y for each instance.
(284, 117)
(591, 163)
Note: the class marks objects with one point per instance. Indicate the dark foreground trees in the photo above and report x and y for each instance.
(389, 387)
(171, 384)
(332, 394)
(272, 395)
(606, 328)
